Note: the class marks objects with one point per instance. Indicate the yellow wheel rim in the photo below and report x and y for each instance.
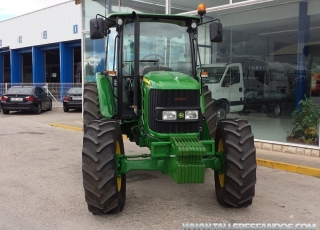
(221, 176)
(118, 178)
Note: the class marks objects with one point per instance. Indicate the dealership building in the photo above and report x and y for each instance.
(274, 42)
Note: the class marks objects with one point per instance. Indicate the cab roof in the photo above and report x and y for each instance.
(146, 15)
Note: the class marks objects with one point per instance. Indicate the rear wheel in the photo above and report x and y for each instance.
(244, 112)
(50, 106)
(91, 107)
(5, 111)
(235, 186)
(274, 111)
(39, 109)
(105, 193)
(65, 109)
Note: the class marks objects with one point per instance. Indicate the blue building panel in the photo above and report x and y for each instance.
(38, 65)
(303, 38)
(16, 68)
(1, 74)
(66, 67)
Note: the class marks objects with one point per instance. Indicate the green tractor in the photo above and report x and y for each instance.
(150, 92)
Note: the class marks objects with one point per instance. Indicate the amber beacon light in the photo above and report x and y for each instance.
(202, 9)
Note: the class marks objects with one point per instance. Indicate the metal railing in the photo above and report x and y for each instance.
(55, 90)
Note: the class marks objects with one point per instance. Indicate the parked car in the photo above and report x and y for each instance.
(72, 99)
(269, 102)
(25, 98)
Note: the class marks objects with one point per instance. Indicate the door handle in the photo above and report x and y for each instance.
(240, 89)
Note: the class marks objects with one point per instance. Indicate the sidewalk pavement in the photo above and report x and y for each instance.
(307, 165)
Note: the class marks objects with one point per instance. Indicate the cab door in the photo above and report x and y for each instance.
(236, 88)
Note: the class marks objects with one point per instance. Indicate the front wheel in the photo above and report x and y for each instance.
(235, 185)
(91, 106)
(105, 191)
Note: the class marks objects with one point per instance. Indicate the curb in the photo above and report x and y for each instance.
(289, 167)
(77, 129)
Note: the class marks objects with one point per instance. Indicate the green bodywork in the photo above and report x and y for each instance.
(166, 81)
(183, 156)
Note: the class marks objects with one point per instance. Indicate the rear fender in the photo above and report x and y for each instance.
(107, 101)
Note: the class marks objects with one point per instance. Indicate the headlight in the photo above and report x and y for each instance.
(193, 25)
(119, 21)
(169, 115)
(191, 115)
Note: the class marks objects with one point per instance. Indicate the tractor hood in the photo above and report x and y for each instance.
(170, 80)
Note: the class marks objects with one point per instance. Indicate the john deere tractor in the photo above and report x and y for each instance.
(151, 93)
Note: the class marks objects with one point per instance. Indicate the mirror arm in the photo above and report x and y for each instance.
(97, 26)
(203, 23)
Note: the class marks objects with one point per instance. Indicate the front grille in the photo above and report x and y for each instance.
(281, 89)
(174, 99)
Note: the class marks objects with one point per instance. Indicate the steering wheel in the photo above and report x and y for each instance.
(146, 59)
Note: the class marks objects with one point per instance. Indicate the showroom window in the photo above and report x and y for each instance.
(274, 44)
(270, 44)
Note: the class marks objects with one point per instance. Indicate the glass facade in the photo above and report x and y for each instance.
(268, 61)
(268, 45)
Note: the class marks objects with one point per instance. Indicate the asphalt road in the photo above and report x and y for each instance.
(41, 187)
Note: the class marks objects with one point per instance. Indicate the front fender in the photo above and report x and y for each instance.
(107, 101)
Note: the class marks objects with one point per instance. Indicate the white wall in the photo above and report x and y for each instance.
(57, 20)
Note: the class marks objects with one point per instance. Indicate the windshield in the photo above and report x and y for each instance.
(214, 74)
(75, 90)
(164, 45)
(277, 75)
(20, 90)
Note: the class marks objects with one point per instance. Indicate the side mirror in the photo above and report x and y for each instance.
(215, 32)
(97, 28)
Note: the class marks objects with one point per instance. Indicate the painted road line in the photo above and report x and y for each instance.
(289, 167)
(124, 137)
(66, 127)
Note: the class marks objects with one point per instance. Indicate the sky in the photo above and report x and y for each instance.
(14, 8)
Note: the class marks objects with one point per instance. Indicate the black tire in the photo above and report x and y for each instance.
(5, 111)
(236, 186)
(39, 109)
(210, 114)
(65, 109)
(274, 111)
(244, 112)
(101, 142)
(222, 112)
(91, 107)
(50, 106)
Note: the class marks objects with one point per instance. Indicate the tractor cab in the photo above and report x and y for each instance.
(139, 46)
